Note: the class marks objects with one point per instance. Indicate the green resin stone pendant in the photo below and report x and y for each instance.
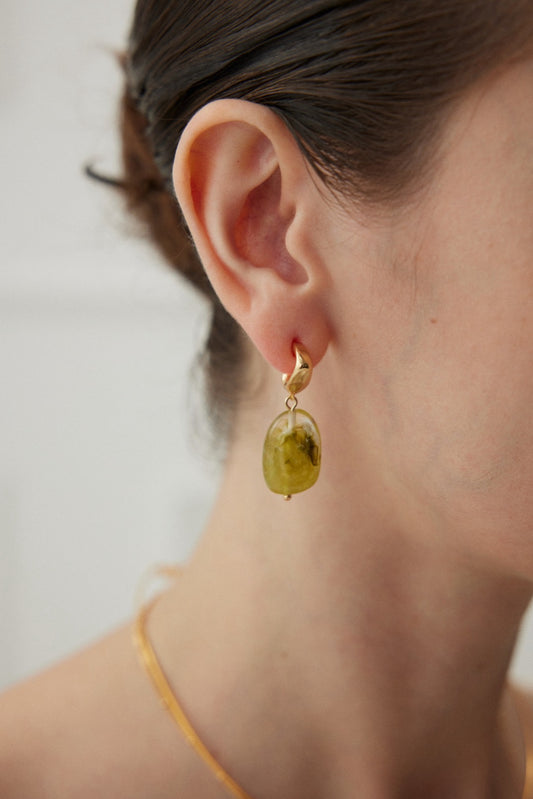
(291, 454)
(292, 449)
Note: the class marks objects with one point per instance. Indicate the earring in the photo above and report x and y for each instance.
(291, 453)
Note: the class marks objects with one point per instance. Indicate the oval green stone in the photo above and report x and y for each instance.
(291, 453)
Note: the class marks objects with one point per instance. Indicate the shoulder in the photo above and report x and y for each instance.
(524, 705)
(79, 729)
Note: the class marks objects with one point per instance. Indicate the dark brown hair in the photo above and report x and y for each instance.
(362, 85)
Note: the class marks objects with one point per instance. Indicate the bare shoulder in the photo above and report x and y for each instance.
(524, 704)
(80, 729)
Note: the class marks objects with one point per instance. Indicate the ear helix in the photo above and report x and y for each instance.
(292, 449)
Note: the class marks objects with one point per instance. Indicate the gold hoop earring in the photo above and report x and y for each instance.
(292, 449)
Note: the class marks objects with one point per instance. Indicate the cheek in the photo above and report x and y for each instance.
(460, 386)
(457, 413)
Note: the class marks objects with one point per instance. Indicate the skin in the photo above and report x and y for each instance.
(357, 639)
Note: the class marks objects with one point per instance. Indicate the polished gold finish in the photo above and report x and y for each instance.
(301, 374)
(291, 402)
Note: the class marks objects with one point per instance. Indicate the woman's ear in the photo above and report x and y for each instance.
(250, 202)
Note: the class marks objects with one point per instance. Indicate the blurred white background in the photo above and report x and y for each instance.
(99, 468)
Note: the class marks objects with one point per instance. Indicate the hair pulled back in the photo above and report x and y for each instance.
(361, 84)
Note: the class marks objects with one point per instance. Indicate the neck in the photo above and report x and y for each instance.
(349, 650)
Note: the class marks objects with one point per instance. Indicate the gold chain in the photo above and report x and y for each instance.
(151, 664)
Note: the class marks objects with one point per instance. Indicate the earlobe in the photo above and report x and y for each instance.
(242, 184)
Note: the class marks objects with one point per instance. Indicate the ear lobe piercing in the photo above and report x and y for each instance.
(292, 448)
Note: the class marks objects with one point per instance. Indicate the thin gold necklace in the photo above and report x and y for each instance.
(168, 699)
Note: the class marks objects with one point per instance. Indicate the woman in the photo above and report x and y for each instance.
(357, 178)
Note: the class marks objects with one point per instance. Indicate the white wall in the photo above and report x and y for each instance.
(98, 472)
(98, 476)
